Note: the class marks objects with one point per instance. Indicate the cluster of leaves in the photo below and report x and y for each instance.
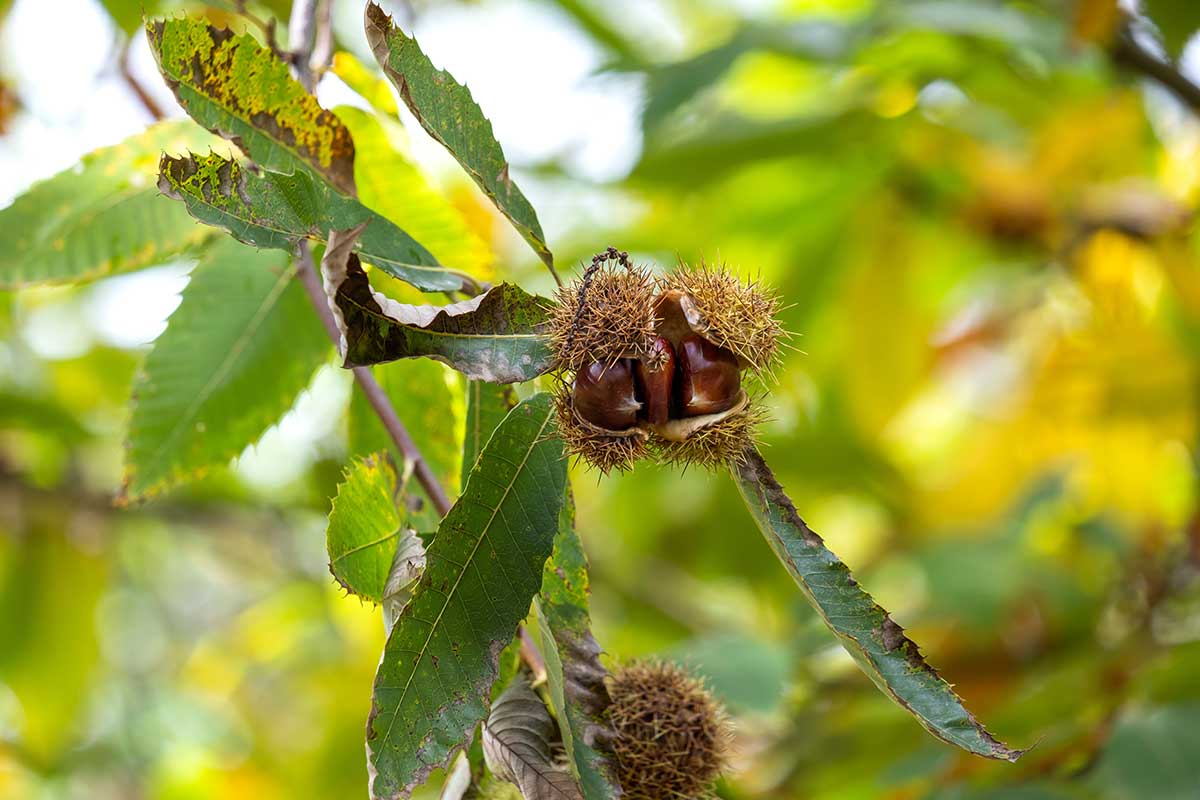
(244, 343)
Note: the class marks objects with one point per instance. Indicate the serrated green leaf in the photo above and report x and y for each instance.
(364, 527)
(240, 347)
(497, 336)
(487, 405)
(517, 745)
(446, 110)
(877, 644)
(484, 566)
(238, 89)
(391, 186)
(268, 209)
(102, 217)
(572, 655)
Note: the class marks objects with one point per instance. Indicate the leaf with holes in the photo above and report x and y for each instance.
(497, 336)
(483, 568)
(101, 217)
(241, 91)
(446, 110)
(878, 644)
(573, 667)
(240, 347)
(517, 745)
(279, 211)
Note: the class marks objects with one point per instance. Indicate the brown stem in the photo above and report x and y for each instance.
(370, 387)
(149, 103)
(1132, 55)
(305, 35)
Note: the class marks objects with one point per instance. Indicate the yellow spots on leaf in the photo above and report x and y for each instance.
(253, 85)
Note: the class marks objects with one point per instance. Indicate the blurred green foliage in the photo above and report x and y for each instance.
(984, 235)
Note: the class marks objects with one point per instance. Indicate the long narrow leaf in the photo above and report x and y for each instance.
(483, 569)
(573, 667)
(876, 642)
(446, 110)
(240, 90)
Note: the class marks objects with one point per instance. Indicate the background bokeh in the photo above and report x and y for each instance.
(982, 230)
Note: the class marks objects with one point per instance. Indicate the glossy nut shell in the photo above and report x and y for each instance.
(656, 379)
(604, 395)
(709, 379)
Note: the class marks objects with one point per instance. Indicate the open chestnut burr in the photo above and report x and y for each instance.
(700, 379)
(654, 363)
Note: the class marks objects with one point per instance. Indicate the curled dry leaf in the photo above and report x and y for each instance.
(498, 336)
(517, 745)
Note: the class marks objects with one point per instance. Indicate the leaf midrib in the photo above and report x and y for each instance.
(484, 534)
(223, 369)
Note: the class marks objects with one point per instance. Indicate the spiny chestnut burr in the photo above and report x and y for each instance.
(604, 395)
(709, 378)
(656, 378)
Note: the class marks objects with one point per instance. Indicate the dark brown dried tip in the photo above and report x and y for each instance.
(672, 737)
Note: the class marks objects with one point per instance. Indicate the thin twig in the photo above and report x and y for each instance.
(304, 36)
(371, 389)
(1131, 54)
(149, 103)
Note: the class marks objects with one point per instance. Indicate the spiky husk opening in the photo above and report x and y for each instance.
(588, 442)
(714, 446)
(671, 736)
(617, 318)
(737, 315)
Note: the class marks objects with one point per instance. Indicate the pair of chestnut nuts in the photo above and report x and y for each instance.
(701, 378)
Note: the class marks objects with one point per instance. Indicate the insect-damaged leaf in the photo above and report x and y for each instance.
(102, 217)
(497, 336)
(370, 552)
(268, 209)
(517, 745)
(483, 568)
(239, 90)
(572, 656)
(235, 354)
(446, 110)
(877, 643)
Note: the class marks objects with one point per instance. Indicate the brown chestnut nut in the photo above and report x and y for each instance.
(709, 379)
(656, 377)
(604, 395)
